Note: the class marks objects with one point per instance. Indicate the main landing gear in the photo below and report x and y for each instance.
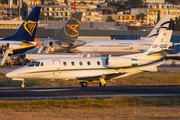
(83, 84)
(102, 83)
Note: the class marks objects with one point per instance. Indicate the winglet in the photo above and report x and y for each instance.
(27, 30)
(71, 29)
(163, 24)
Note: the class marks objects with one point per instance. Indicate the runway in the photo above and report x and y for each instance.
(158, 91)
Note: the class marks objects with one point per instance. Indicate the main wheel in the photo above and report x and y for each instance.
(22, 85)
(84, 84)
(100, 85)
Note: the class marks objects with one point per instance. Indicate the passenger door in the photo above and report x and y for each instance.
(56, 68)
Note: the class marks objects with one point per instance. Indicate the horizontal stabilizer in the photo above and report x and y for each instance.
(149, 69)
(142, 50)
(45, 42)
(176, 44)
(24, 42)
(162, 52)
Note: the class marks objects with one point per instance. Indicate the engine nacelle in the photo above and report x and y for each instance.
(120, 62)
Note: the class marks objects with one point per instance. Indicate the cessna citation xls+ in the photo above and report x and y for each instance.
(96, 69)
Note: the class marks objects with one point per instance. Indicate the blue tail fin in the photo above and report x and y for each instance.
(27, 30)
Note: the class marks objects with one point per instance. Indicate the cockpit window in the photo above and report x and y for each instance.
(32, 63)
(41, 63)
(37, 64)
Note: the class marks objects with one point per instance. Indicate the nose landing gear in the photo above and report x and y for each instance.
(22, 85)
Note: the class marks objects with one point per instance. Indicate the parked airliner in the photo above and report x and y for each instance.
(96, 69)
(23, 38)
(66, 40)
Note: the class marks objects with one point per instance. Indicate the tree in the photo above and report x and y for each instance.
(109, 11)
(142, 16)
(158, 16)
(136, 3)
(24, 10)
(110, 19)
(66, 2)
(51, 18)
(104, 11)
(42, 17)
(177, 25)
(171, 25)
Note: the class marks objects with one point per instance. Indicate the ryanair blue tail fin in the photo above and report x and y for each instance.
(71, 29)
(27, 30)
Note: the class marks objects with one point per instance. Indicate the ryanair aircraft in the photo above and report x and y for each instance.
(23, 38)
(96, 69)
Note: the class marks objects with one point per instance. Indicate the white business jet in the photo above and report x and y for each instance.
(96, 69)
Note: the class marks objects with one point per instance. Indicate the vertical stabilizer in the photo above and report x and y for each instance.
(28, 28)
(161, 42)
(163, 24)
(71, 29)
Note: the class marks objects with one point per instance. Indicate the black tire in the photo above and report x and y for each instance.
(100, 85)
(84, 84)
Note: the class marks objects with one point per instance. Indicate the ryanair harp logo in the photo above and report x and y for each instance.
(29, 26)
(70, 29)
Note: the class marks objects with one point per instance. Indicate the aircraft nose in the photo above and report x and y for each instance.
(10, 75)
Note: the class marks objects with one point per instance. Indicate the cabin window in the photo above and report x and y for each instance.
(37, 64)
(42, 64)
(80, 63)
(32, 63)
(72, 63)
(88, 63)
(64, 63)
(98, 63)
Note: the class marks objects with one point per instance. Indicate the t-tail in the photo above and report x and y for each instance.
(27, 30)
(161, 43)
(71, 29)
(163, 24)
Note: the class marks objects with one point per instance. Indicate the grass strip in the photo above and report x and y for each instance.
(123, 101)
(145, 78)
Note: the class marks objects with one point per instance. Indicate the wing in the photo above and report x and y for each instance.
(97, 77)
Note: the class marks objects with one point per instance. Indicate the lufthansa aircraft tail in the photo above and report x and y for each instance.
(27, 30)
(163, 24)
(71, 29)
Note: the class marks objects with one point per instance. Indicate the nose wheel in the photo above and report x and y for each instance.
(22, 85)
